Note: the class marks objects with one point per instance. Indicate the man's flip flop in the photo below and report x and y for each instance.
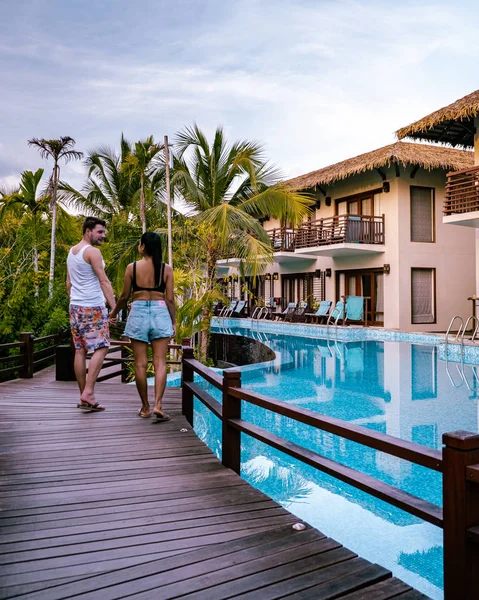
(143, 416)
(92, 407)
(160, 418)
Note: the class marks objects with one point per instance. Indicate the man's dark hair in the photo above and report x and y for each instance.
(92, 222)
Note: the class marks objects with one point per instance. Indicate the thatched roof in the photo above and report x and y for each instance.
(453, 124)
(400, 153)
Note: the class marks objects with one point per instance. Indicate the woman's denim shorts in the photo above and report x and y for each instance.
(148, 320)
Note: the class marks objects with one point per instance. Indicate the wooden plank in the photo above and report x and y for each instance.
(391, 588)
(338, 587)
(108, 505)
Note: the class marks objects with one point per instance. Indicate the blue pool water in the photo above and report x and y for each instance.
(398, 388)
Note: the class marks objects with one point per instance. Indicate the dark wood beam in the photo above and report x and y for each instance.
(414, 171)
(322, 190)
(383, 175)
(396, 166)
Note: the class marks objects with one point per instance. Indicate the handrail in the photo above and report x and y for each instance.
(410, 451)
(458, 331)
(471, 318)
(28, 359)
(459, 459)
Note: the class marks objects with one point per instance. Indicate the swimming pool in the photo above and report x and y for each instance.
(399, 388)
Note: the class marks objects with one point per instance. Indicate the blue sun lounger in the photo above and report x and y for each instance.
(354, 308)
(322, 313)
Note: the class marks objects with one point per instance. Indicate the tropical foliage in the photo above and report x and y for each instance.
(226, 187)
(58, 150)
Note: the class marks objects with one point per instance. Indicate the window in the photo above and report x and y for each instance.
(424, 372)
(423, 303)
(357, 205)
(422, 214)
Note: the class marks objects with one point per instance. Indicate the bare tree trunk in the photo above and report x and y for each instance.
(142, 203)
(35, 268)
(54, 230)
(211, 258)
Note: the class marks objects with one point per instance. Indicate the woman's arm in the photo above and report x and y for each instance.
(170, 296)
(125, 294)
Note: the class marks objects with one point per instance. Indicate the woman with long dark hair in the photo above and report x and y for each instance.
(151, 319)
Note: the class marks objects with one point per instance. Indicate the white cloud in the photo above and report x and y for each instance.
(317, 82)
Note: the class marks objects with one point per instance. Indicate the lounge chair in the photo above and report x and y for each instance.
(238, 309)
(287, 312)
(298, 314)
(321, 314)
(355, 309)
(337, 313)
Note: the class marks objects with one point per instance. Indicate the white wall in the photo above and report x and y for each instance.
(452, 254)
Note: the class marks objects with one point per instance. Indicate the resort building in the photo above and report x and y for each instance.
(457, 125)
(376, 231)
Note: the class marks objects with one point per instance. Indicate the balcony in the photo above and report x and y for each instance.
(461, 204)
(342, 235)
(283, 242)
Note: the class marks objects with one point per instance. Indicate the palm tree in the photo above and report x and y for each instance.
(33, 209)
(61, 149)
(144, 162)
(109, 190)
(112, 192)
(229, 187)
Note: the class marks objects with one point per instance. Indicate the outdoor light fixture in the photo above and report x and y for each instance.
(386, 187)
(328, 200)
(268, 276)
(275, 276)
(386, 269)
(328, 272)
(318, 272)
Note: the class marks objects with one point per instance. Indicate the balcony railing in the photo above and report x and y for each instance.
(282, 239)
(342, 229)
(462, 192)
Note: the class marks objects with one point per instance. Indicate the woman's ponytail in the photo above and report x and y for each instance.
(152, 243)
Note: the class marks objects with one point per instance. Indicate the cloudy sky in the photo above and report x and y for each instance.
(317, 81)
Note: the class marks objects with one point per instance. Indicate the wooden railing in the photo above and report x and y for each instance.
(458, 462)
(119, 355)
(282, 239)
(462, 192)
(340, 229)
(29, 354)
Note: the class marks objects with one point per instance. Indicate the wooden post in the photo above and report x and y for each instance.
(124, 366)
(461, 511)
(231, 440)
(187, 375)
(27, 369)
(64, 363)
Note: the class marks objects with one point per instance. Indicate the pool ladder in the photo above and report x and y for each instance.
(461, 332)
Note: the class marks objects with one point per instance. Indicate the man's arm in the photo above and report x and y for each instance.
(69, 285)
(95, 259)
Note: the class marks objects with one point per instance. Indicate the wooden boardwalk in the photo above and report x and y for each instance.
(108, 505)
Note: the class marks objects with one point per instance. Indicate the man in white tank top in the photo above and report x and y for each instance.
(88, 287)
